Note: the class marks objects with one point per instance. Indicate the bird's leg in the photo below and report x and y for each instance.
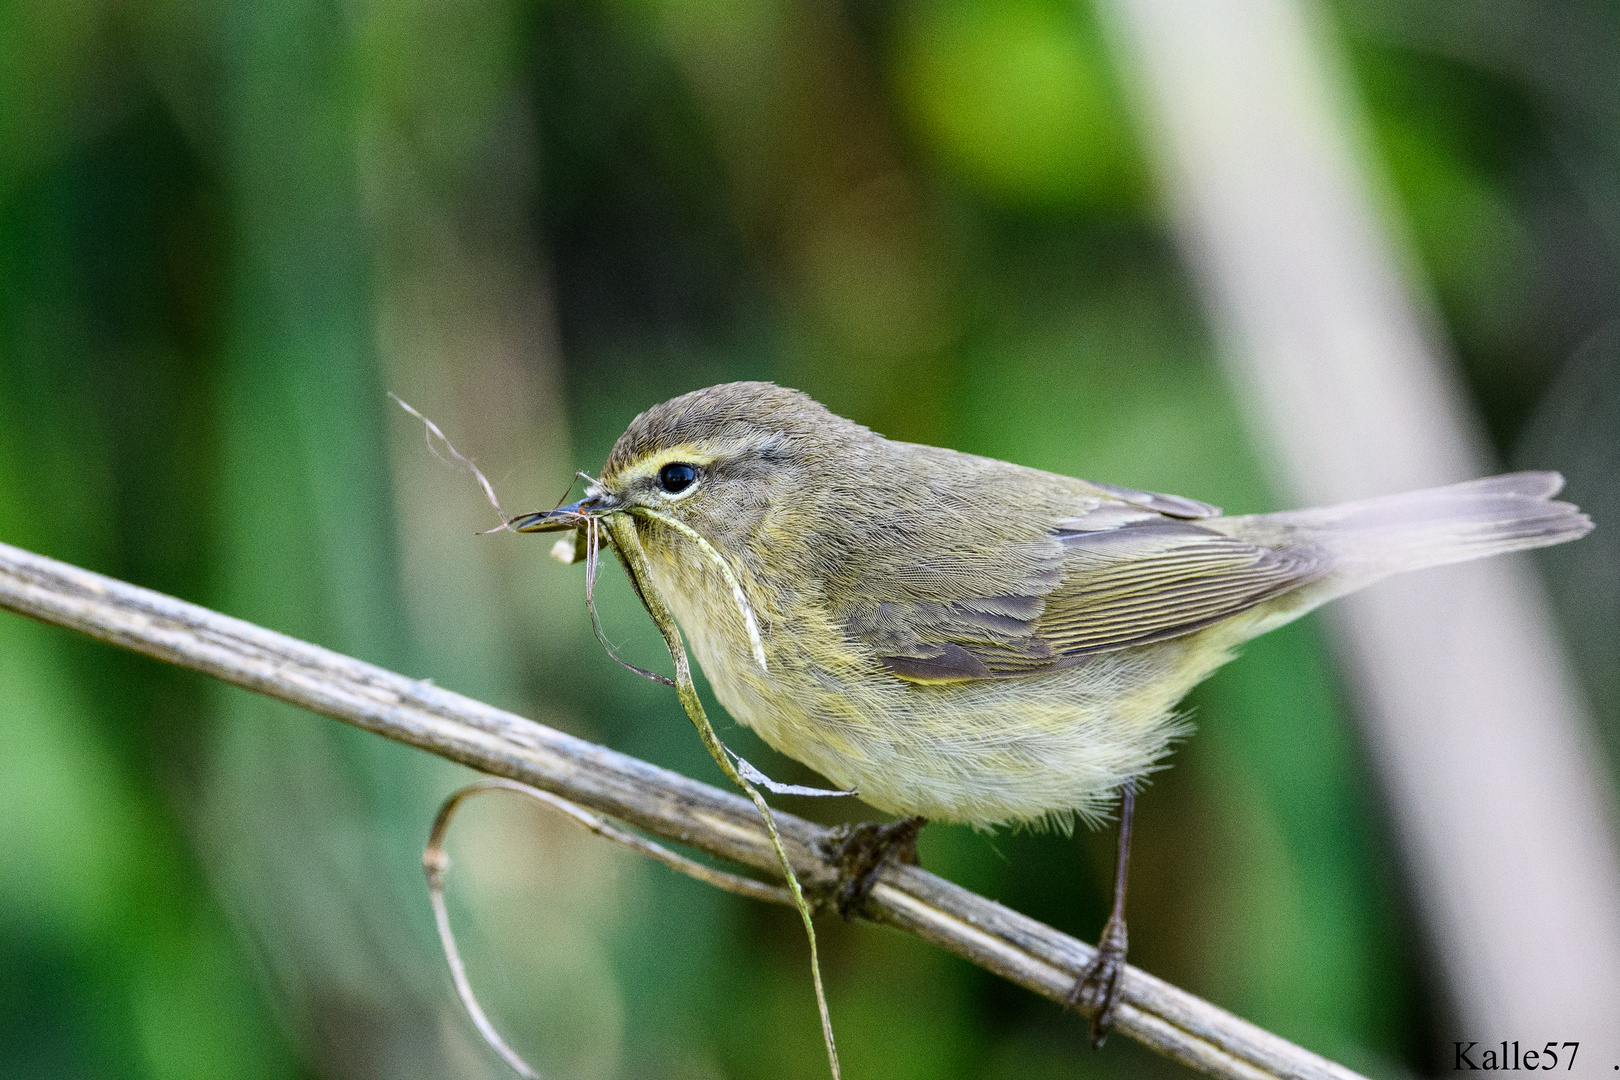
(1096, 991)
(862, 850)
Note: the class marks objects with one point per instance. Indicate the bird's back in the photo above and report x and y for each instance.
(972, 640)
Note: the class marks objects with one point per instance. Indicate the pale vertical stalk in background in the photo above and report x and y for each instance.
(1500, 801)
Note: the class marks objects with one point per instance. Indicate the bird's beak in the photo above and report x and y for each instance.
(566, 517)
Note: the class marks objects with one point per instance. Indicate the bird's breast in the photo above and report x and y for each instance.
(986, 752)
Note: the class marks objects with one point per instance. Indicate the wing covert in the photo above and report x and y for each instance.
(1126, 574)
(1148, 582)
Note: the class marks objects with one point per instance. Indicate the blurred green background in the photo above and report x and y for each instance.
(226, 229)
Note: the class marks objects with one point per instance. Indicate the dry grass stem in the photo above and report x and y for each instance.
(433, 432)
(628, 545)
(755, 643)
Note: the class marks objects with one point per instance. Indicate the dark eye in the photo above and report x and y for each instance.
(676, 477)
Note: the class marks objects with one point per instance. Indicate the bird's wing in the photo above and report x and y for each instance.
(1124, 573)
(1146, 581)
(1174, 506)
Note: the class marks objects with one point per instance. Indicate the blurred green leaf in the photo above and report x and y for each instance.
(1018, 99)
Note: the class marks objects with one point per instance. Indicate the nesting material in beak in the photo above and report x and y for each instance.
(565, 517)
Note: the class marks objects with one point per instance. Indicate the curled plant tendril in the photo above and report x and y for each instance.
(436, 863)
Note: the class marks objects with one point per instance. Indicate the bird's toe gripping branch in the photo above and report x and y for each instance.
(861, 851)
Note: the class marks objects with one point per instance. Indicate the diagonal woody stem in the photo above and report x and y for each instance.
(1031, 954)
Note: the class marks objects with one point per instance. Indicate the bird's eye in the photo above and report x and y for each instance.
(676, 477)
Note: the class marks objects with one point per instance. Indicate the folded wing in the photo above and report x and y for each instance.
(1133, 569)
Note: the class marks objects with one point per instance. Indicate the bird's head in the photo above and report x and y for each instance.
(720, 461)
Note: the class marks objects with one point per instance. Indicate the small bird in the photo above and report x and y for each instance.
(962, 639)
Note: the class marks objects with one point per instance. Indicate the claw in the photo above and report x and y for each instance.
(861, 851)
(1096, 991)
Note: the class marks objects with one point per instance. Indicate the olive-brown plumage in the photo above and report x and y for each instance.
(970, 640)
(964, 639)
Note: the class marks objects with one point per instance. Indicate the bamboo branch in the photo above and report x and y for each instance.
(1151, 1011)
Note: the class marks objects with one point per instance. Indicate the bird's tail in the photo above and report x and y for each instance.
(1375, 537)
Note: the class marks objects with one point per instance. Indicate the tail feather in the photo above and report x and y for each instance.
(1534, 485)
(1471, 520)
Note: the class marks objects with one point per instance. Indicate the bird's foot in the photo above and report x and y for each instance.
(1096, 991)
(861, 851)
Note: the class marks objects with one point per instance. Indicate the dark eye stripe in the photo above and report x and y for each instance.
(676, 477)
